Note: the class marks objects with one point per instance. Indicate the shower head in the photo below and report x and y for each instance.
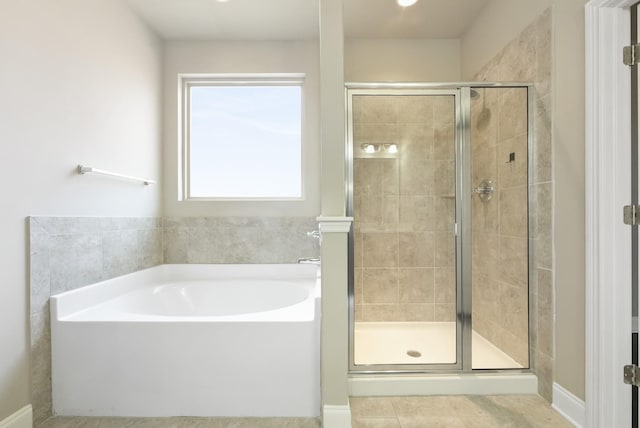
(484, 117)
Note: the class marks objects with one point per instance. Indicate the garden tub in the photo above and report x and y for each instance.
(190, 340)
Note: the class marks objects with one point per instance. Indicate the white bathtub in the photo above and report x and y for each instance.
(190, 340)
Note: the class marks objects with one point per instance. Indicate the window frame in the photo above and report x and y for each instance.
(186, 82)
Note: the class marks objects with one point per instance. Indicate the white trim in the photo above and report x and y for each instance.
(187, 81)
(23, 418)
(568, 405)
(448, 384)
(334, 224)
(245, 78)
(336, 416)
(608, 184)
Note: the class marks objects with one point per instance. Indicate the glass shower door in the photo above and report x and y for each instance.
(442, 195)
(405, 293)
(500, 228)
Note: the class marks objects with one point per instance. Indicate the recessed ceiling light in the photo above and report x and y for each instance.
(406, 3)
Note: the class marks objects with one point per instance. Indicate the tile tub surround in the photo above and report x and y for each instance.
(71, 252)
(528, 59)
(239, 239)
(404, 247)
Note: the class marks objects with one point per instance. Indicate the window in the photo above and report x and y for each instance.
(242, 137)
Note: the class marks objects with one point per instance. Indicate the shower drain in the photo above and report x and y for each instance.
(414, 354)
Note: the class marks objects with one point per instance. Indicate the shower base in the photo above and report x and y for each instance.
(422, 343)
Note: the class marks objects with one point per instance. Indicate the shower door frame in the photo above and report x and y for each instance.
(462, 227)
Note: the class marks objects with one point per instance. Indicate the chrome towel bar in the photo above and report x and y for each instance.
(85, 169)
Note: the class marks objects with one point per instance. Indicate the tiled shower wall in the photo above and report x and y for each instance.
(404, 209)
(528, 59)
(71, 252)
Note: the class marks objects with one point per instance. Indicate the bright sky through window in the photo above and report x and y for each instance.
(245, 141)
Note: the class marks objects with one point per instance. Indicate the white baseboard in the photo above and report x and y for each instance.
(569, 406)
(23, 418)
(336, 416)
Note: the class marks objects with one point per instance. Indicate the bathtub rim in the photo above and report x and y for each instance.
(65, 305)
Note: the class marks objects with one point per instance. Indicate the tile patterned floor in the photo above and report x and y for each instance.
(465, 411)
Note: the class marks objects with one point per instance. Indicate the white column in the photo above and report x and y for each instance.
(333, 225)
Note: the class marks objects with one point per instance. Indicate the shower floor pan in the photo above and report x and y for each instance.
(422, 343)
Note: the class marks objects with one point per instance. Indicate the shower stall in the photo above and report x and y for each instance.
(438, 185)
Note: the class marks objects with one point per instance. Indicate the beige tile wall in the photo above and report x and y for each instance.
(404, 209)
(528, 58)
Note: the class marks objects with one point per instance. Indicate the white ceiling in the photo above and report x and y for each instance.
(298, 19)
(434, 19)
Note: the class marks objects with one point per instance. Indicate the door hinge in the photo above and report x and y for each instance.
(630, 214)
(631, 54)
(632, 375)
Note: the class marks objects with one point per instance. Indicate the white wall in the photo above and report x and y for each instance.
(242, 57)
(79, 83)
(402, 60)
